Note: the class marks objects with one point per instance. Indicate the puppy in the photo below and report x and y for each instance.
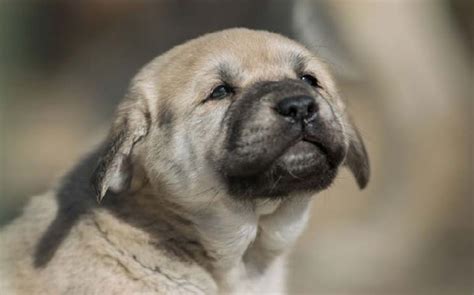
(204, 182)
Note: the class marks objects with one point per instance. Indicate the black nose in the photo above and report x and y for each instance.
(297, 107)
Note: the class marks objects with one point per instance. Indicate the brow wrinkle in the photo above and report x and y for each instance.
(299, 62)
(227, 73)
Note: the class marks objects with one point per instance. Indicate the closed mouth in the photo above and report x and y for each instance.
(322, 148)
(302, 158)
(305, 165)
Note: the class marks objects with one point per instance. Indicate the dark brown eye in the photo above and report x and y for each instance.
(220, 92)
(310, 80)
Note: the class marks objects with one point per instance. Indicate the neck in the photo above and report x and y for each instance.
(230, 238)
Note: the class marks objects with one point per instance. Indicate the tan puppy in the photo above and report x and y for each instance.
(204, 182)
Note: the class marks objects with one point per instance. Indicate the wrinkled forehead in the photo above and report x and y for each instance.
(265, 59)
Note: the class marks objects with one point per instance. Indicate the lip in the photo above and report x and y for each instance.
(332, 149)
(321, 147)
(301, 159)
(304, 166)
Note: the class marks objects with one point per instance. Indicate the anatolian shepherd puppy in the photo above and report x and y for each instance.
(204, 182)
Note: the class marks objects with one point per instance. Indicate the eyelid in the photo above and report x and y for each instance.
(318, 82)
(217, 84)
(304, 73)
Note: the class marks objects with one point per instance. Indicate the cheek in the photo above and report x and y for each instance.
(180, 149)
(207, 122)
(198, 136)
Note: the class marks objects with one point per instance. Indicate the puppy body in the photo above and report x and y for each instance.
(104, 254)
(100, 256)
(198, 194)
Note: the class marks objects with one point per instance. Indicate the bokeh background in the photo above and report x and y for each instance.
(404, 67)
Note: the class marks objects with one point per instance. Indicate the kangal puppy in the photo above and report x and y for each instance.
(204, 182)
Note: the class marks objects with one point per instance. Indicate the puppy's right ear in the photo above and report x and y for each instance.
(357, 159)
(114, 168)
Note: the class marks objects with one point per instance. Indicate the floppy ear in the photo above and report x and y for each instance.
(114, 168)
(357, 159)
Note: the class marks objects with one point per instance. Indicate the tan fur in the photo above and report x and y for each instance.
(147, 244)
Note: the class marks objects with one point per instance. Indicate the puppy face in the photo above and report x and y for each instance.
(249, 113)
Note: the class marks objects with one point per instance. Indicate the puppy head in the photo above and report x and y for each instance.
(250, 113)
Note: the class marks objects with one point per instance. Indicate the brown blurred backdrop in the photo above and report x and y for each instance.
(404, 67)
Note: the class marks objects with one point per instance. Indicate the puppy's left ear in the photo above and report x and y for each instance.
(357, 159)
(114, 168)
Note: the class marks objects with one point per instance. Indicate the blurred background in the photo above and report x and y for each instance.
(404, 67)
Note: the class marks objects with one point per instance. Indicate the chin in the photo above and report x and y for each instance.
(304, 167)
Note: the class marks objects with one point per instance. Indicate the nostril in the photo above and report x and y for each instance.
(293, 111)
(312, 108)
(297, 107)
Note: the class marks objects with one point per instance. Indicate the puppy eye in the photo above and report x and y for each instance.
(311, 80)
(220, 92)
